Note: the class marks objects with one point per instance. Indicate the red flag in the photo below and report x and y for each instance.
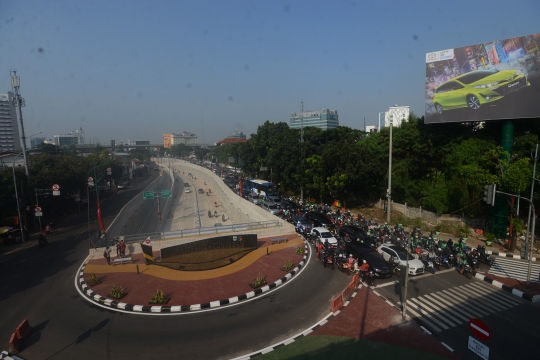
(100, 218)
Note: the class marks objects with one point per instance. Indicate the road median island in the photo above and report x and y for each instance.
(187, 288)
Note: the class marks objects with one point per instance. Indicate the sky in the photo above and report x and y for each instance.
(139, 69)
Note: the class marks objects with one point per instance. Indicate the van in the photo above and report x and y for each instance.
(254, 198)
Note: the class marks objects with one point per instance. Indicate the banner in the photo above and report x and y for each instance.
(488, 81)
(146, 247)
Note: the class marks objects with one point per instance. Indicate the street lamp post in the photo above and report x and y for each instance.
(17, 198)
(389, 190)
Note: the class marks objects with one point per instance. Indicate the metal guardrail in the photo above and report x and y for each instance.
(194, 232)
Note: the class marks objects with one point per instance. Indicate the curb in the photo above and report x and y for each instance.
(500, 285)
(299, 335)
(511, 256)
(157, 309)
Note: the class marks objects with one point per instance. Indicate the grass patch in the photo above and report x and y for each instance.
(339, 347)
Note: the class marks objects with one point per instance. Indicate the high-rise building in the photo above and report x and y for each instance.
(71, 138)
(395, 115)
(9, 129)
(34, 142)
(323, 119)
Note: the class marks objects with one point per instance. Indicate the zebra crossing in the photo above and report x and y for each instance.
(514, 269)
(448, 308)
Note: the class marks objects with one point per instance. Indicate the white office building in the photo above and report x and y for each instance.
(72, 138)
(395, 115)
(323, 119)
(9, 129)
(185, 137)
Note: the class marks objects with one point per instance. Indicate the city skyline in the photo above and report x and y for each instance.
(210, 67)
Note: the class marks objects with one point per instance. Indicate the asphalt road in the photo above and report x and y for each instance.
(448, 299)
(38, 284)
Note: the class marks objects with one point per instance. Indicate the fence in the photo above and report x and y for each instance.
(431, 217)
(186, 235)
(339, 301)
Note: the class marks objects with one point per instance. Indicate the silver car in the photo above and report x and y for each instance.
(271, 207)
(254, 198)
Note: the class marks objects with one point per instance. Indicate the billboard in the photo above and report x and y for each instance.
(489, 81)
(167, 138)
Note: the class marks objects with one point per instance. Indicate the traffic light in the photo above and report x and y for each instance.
(489, 194)
(402, 274)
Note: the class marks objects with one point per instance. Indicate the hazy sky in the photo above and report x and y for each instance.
(138, 69)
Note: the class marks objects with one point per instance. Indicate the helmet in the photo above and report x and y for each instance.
(364, 261)
(439, 249)
(350, 255)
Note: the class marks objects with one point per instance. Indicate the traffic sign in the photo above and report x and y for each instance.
(37, 210)
(56, 187)
(109, 171)
(478, 348)
(166, 193)
(90, 179)
(148, 195)
(479, 329)
(90, 184)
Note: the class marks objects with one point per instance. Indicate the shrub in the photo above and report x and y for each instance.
(299, 250)
(489, 236)
(159, 298)
(288, 265)
(258, 281)
(93, 280)
(117, 292)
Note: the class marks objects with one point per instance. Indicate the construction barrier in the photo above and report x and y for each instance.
(356, 280)
(348, 291)
(337, 303)
(22, 331)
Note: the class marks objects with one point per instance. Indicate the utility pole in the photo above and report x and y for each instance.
(531, 246)
(389, 190)
(302, 150)
(18, 102)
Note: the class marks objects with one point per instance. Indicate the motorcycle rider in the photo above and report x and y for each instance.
(364, 268)
(351, 261)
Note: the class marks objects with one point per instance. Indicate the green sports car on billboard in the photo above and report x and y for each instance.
(477, 88)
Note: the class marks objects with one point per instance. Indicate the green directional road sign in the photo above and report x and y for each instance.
(166, 193)
(148, 195)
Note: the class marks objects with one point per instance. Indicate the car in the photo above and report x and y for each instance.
(319, 219)
(245, 193)
(477, 88)
(287, 204)
(304, 223)
(186, 184)
(354, 233)
(156, 169)
(323, 234)
(187, 190)
(201, 191)
(254, 198)
(376, 262)
(275, 198)
(271, 207)
(399, 255)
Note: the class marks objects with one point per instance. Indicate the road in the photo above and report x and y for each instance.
(38, 284)
(446, 301)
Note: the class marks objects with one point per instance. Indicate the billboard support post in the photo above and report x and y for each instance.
(389, 191)
(507, 143)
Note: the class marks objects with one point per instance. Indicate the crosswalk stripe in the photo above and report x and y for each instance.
(498, 296)
(448, 309)
(429, 323)
(467, 302)
(514, 269)
(486, 301)
(456, 306)
(416, 306)
(508, 297)
(436, 311)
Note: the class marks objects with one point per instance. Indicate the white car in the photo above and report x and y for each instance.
(187, 190)
(323, 234)
(399, 256)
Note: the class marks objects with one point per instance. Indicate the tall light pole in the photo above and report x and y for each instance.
(389, 190)
(18, 102)
(302, 150)
(17, 198)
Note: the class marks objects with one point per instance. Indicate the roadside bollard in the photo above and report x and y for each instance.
(267, 250)
(138, 269)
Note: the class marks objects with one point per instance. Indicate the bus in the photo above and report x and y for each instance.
(262, 187)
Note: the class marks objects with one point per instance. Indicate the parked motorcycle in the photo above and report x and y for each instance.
(484, 256)
(368, 277)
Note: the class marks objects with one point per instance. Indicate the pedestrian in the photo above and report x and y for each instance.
(48, 230)
(122, 248)
(215, 213)
(117, 245)
(107, 255)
